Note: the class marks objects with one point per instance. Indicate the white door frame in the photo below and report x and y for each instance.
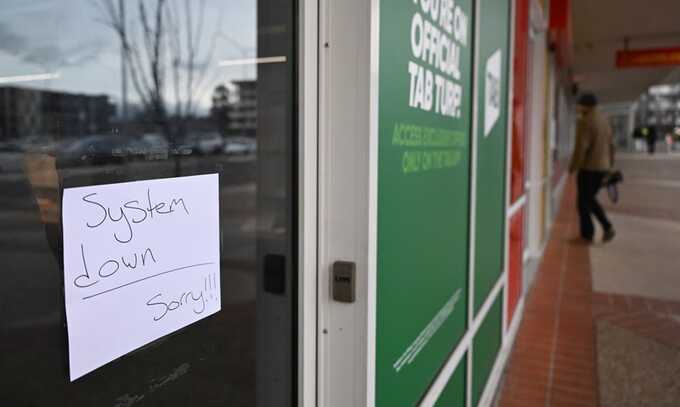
(308, 41)
(347, 190)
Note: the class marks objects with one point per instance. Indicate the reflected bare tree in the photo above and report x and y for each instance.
(166, 55)
(221, 107)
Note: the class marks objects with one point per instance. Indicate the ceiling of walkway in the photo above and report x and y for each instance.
(600, 27)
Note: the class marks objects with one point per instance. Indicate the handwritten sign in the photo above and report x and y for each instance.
(141, 260)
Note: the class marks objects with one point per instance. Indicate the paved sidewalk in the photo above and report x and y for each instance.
(602, 322)
(636, 283)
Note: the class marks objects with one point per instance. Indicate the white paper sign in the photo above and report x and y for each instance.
(141, 260)
(492, 92)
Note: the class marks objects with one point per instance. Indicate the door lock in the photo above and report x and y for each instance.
(343, 281)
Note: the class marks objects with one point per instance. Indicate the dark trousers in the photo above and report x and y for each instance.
(651, 146)
(589, 183)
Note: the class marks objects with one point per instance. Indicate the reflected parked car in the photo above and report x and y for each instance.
(130, 148)
(205, 142)
(97, 150)
(157, 146)
(183, 148)
(240, 146)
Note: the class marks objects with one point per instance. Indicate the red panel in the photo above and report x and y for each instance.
(648, 57)
(560, 29)
(519, 100)
(515, 261)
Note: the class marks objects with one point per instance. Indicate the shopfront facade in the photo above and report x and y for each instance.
(272, 202)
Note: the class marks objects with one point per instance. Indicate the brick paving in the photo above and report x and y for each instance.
(553, 362)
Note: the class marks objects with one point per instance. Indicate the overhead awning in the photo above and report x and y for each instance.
(604, 27)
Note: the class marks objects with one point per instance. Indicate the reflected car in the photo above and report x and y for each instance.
(96, 150)
(240, 146)
(130, 148)
(157, 146)
(205, 142)
(183, 148)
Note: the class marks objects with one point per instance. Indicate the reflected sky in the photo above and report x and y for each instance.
(70, 38)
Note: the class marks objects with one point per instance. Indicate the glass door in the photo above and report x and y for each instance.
(102, 99)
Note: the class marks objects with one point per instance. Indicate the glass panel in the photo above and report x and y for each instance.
(107, 91)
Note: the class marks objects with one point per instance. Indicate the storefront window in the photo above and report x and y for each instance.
(97, 92)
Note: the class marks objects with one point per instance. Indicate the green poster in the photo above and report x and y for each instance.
(423, 191)
(492, 88)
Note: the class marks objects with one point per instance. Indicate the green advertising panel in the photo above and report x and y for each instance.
(492, 88)
(423, 191)
(485, 348)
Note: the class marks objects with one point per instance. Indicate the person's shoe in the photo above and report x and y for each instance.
(608, 235)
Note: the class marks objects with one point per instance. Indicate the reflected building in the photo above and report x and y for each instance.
(27, 112)
(243, 111)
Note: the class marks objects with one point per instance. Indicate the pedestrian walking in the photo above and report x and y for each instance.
(592, 160)
(650, 134)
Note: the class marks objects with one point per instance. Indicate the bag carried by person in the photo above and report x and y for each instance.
(610, 182)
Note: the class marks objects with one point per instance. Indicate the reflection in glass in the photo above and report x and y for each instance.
(104, 91)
